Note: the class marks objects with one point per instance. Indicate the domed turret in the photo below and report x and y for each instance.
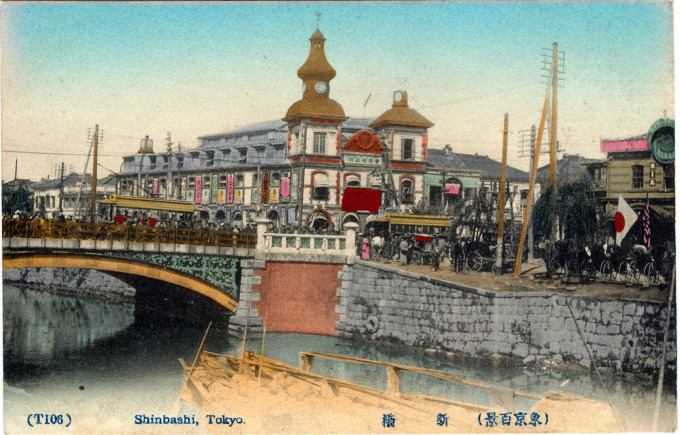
(401, 115)
(316, 67)
(316, 73)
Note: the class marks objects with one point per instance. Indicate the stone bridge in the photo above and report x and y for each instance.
(218, 265)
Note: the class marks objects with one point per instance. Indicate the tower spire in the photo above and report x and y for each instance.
(316, 74)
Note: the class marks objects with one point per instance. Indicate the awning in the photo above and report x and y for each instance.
(150, 204)
(360, 200)
(416, 219)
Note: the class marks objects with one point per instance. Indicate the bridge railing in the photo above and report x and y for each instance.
(305, 247)
(47, 229)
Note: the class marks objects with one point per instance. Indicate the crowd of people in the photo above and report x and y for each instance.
(405, 249)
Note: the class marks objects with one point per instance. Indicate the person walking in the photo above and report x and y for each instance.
(403, 251)
(365, 254)
(436, 252)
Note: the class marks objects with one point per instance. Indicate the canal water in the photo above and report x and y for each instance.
(90, 359)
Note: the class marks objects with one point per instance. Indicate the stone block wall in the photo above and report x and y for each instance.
(384, 304)
(287, 297)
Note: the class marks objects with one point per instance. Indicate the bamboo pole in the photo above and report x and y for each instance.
(659, 386)
(501, 201)
(527, 212)
(175, 408)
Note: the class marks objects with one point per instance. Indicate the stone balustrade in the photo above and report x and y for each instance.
(305, 248)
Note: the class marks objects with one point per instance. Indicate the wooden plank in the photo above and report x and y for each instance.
(393, 380)
(183, 363)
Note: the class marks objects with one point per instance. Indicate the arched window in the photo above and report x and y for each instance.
(320, 183)
(352, 181)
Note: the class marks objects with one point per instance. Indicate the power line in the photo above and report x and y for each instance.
(60, 154)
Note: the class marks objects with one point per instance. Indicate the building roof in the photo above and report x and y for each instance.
(19, 183)
(73, 180)
(566, 168)
(446, 158)
(258, 127)
(401, 115)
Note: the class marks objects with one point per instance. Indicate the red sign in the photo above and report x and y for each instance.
(119, 219)
(360, 200)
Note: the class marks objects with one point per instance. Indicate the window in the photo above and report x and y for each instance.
(239, 180)
(321, 190)
(321, 193)
(435, 196)
(407, 149)
(407, 191)
(319, 143)
(152, 163)
(223, 182)
(180, 161)
(211, 158)
(352, 181)
(637, 176)
(669, 176)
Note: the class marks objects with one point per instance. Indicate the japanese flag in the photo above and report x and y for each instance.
(625, 218)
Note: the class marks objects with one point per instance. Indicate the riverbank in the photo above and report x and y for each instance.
(543, 328)
(86, 282)
(532, 279)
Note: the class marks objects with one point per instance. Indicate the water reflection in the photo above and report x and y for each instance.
(41, 327)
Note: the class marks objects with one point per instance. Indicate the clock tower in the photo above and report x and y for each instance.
(314, 124)
(316, 74)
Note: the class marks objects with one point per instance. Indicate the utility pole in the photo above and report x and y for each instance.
(553, 65)
(169, 185)
(301, 177)
(93, 202)
(553, 119)
(61, 190)
(527, 207)
(16, 168)
(532, 182)
(501, 201)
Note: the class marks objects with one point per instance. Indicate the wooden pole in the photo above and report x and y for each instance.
(175, 408)
(537, 151)
(662, 371)
(530, 230)
(553, 120)
(93, 201)
(501, 201)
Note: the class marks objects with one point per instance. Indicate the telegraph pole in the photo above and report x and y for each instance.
(61, 190)
(301, 177)
(553, 118)
(527, 207)
(537, 150)
(501, 201)
(93, 202)
(169, 185)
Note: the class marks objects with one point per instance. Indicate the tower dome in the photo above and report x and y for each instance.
(316, 73)
(316, 67)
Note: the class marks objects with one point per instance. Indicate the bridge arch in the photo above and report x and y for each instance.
(119, 265)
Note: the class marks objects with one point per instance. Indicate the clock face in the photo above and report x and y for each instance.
(397, 96)
(320, 87)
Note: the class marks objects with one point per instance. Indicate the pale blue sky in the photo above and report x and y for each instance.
(199, 68)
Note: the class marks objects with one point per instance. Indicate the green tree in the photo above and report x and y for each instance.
(19, 199)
